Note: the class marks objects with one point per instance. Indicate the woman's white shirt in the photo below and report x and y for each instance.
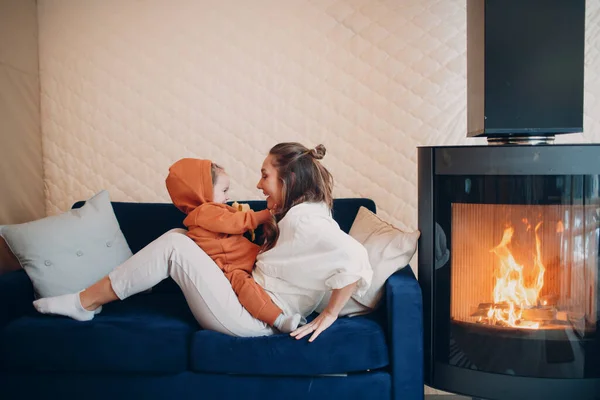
(312, 256)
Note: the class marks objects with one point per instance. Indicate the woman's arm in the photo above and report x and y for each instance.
(339, 298)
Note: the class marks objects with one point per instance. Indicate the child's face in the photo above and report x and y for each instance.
(221, 188)
(270, 184)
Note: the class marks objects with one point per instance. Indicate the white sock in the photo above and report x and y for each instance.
(287, 324)
(68, 305)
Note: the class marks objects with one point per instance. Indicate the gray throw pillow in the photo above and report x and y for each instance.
(67, 253)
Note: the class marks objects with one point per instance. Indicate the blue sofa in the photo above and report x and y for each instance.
(150, 347)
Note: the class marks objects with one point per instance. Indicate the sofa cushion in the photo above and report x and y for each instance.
(349, 345)
(145, 333)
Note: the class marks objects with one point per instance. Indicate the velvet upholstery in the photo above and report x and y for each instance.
(144, 333)
(351, 345)
(149, 346)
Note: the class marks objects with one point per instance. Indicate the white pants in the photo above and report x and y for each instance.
(207, 292)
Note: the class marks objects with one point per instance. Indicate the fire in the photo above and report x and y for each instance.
(511, 295)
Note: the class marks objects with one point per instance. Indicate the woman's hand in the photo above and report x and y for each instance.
(271, 205)
(316, 326)
(339, 298)
(272, 209)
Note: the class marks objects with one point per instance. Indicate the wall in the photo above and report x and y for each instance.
(128, 87)
(21, 177)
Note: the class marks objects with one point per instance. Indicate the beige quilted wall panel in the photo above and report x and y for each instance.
(21, 174)
(128, 87)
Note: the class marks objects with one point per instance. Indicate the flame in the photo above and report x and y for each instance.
(511, 295)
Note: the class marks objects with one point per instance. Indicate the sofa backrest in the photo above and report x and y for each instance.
(141, 223)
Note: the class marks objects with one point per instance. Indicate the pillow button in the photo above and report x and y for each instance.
(79, 253)
(108, 244)
(47, 263)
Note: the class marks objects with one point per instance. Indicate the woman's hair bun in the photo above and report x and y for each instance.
(318, 152)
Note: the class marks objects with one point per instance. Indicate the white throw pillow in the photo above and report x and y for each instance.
(390, 249)
(68, 252)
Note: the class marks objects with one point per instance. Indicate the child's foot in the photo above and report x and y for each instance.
(287, 324)
(68, 305)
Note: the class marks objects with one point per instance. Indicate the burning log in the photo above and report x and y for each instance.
(483, 309)
(542, 313)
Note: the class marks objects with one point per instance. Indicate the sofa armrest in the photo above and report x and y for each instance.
(16, 296)
(405, 334)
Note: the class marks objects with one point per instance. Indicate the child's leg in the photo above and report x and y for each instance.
(98, 294)
(142, 271)
(253, 297)
(207, 291)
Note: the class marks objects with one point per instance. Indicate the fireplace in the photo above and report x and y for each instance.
(509, 264)
(510, 232)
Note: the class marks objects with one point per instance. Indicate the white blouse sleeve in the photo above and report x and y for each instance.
(327, 258)
(356, 269)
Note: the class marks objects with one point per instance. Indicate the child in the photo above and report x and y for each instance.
(200, 188)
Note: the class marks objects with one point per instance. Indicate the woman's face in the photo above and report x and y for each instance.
(270, 184)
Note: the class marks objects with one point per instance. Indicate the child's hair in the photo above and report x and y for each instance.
(302, 178)
(215, 170)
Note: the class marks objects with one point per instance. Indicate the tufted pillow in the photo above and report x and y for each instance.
(68, 252)
(389, 248)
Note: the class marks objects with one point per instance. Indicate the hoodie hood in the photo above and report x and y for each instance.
(189, 183)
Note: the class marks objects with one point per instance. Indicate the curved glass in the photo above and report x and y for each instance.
(516, 274)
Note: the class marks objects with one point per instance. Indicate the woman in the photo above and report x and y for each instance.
(304, 255)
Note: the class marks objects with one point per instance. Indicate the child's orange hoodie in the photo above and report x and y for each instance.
(218, 229)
